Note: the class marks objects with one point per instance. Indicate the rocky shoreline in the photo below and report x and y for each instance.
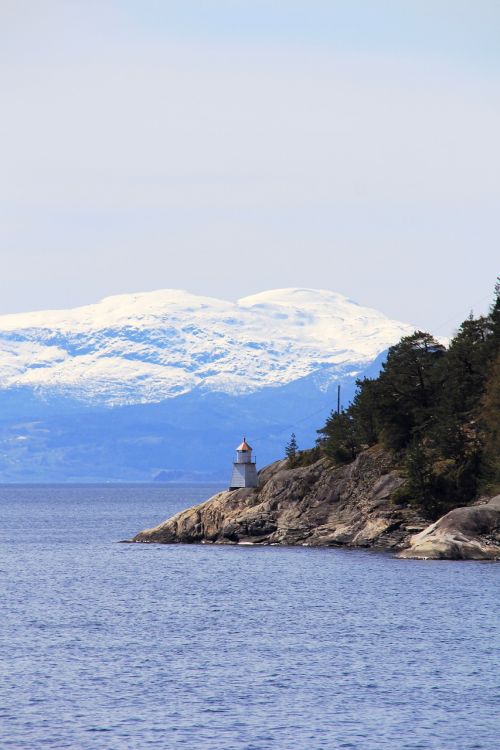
(469, 533)
(324, 506)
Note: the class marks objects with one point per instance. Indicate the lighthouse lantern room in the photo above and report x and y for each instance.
(244, 468)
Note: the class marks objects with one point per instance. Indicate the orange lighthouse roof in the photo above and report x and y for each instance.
(244, 446)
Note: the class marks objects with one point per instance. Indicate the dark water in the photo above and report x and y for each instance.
(226, 648)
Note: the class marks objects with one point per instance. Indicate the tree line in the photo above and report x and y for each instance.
(437, 408)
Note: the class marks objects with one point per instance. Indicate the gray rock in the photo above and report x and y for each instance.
(321, 506)
(317, 505)
(470, 533)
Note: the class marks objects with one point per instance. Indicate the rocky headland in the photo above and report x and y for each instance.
(320, 505)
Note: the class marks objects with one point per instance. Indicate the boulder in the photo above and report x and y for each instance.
(469, 533)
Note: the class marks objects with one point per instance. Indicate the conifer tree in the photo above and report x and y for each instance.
(364, 411)
(339, 438)
(291, 449)
(407, 388)
(418, 465)
(491, 423)
(438, 409)
(463, 372)
(494, 342)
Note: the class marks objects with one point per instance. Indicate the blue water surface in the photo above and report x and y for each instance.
(107, 645)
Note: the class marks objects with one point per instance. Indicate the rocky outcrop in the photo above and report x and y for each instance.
(470, 533)
(320, 505)
(316, 505)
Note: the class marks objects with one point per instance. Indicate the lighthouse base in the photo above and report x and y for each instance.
(244, 475)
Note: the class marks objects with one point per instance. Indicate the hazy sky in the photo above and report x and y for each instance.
(227, 147)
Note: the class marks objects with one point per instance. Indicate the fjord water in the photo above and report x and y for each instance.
(107, 645)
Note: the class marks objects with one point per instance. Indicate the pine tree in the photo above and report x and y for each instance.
(491, 424)
(407, 389)
(291, 449)
(418, 465)
(463, 372)
(494, 317)
(364, 411)
(437, 409)
(339, 438)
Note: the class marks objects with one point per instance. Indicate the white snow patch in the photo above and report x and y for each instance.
(136, 348)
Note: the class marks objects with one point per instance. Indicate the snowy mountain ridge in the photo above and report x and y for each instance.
(147, 347)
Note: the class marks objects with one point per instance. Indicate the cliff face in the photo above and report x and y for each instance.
(315, 505)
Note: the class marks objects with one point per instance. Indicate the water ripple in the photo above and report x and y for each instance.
(118, 647)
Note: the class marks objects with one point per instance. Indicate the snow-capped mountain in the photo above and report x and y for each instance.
(145, 348)
(166, 383)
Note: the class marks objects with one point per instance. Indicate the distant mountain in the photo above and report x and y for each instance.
(167, 381)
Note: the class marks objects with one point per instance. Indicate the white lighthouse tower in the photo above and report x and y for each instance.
(244, 469)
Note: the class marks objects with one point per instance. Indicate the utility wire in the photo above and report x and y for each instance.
(318, 411)
(449, 320)
(289, 427)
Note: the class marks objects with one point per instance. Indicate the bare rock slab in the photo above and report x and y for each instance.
(470, 533)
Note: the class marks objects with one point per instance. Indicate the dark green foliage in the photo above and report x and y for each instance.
(364, 413)
(407, 388)
(291, 450)
(421, 480)
(437, 485)
(438, 409)
(494, 317)
(307, 457)
(463, 372)
(490, 418)
(339, 438)
(456, 433)
(490, 405)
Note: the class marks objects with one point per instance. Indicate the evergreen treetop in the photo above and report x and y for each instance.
(438, 409)
(291, 449)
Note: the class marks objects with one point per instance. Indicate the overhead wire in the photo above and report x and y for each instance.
(322, 410)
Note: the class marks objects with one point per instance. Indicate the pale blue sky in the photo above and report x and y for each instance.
(231, 147)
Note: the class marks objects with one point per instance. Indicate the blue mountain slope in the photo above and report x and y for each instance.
(188, 438)
(165, 383)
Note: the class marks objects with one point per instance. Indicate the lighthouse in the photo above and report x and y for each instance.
(244, 469)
